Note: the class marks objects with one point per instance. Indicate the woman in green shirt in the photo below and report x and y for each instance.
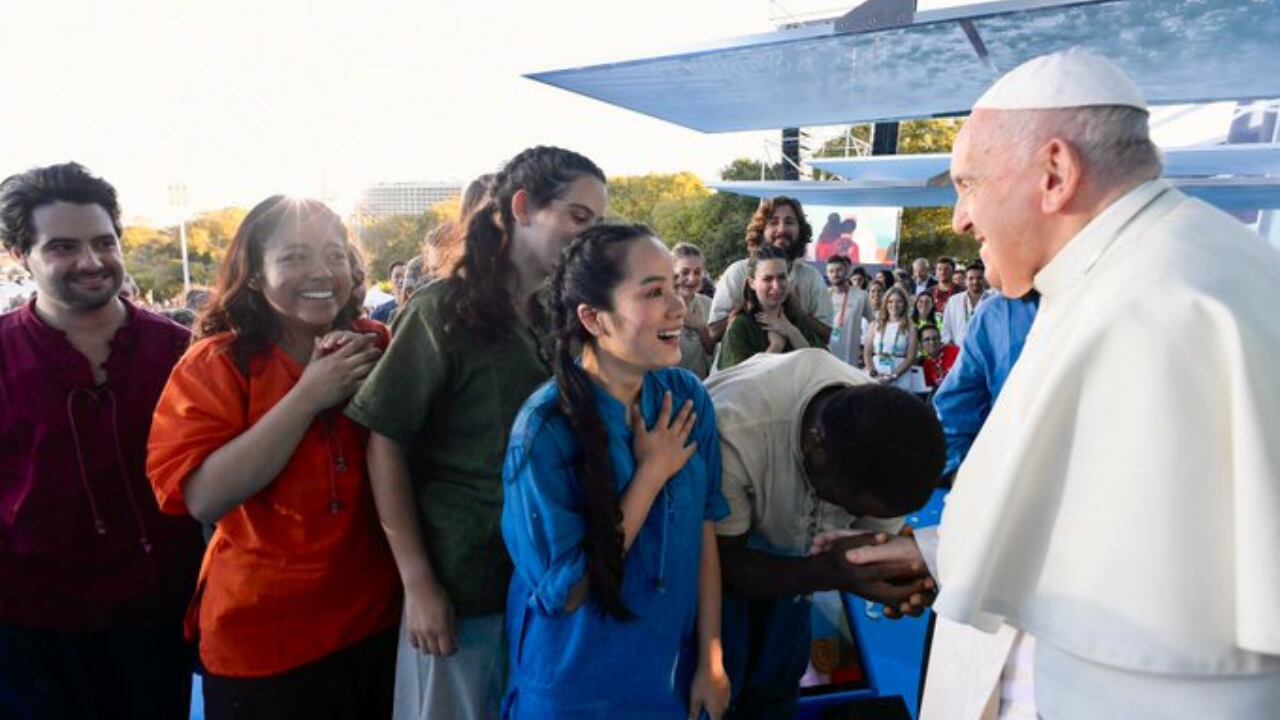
(465, 355)
(765, 324)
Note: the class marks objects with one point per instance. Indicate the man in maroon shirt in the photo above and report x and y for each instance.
(93, 579)
(946, 286)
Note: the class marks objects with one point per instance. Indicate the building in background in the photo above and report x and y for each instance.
(404, 198)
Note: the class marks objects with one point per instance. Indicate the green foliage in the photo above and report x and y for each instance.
(748, 169)
(719, 228)
(641, 199)
(154, 255)
(399, 237)
(926, 232)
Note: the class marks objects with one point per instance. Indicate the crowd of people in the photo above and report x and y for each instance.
(556, 477)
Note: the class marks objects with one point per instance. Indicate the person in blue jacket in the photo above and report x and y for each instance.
(612, 485)
(991, 346)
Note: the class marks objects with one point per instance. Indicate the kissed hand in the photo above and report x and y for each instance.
(886, 569)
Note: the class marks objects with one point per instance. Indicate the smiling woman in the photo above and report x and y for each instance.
(612, 481)
(298, 598)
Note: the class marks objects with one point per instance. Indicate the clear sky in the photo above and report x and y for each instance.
(239, 99)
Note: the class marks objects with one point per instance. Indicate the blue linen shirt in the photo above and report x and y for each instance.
(992, 344)
(583, 663)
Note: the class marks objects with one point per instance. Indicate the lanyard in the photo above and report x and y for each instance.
(843, 306)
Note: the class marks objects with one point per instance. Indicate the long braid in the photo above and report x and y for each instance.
(589, 270)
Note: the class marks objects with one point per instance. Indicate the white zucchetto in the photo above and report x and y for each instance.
(1066, 79)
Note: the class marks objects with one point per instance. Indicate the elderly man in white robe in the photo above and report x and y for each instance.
(1112, 545)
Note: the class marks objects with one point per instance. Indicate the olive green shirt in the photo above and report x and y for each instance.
(449, 400)
(746, 337)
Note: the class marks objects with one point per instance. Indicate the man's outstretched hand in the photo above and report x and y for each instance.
(882, 568)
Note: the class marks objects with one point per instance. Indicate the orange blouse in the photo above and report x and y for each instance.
(300, 570)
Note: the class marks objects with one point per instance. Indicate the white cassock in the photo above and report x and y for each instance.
(1122, 502)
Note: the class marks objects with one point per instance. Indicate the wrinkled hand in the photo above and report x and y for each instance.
(429, 619)
(710, 692)
(339, 363)
(884, 569)
(901, 551)
(665, 447)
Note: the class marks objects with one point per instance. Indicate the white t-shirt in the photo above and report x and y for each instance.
(807, 284)
(955, 317)
(759, 407)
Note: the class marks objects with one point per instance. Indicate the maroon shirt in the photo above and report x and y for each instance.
(82, 544)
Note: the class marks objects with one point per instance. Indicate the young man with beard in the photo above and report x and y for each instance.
(779, 222)
(946, 285)
(956, 316)
(852, 307)
(93, 580)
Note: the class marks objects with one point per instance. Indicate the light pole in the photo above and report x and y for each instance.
(178, 200)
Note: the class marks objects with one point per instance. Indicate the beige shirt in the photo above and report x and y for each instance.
(693, 356)
(759, 406)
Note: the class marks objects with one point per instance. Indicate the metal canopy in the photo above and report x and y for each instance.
(1178, 51)
(1226, 193)
(1201, 161)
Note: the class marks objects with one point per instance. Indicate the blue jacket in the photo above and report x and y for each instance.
(383, 312)
(991, 346)
(584, 663)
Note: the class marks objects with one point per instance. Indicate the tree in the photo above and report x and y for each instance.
(154, 255)
(747, 169)
(639, 199)
(926, 232)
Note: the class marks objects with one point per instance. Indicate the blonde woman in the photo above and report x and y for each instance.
(891, 347)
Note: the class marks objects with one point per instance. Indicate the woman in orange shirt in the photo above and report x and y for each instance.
(298, 598)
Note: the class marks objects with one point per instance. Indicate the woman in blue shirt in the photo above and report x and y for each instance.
(614, 607)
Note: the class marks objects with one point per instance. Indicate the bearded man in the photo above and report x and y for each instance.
(779, 222)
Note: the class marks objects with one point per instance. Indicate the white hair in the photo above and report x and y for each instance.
(1113, 140)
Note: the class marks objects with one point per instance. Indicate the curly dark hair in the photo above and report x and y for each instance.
(238, 308)
(588, 273)
(71, 182)
(885, 441)
(478, 299)
(755, 226)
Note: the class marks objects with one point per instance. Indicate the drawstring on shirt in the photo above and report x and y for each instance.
(124, 476)
(99, 524)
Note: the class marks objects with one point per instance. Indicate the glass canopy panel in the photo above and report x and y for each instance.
(1177, 50)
